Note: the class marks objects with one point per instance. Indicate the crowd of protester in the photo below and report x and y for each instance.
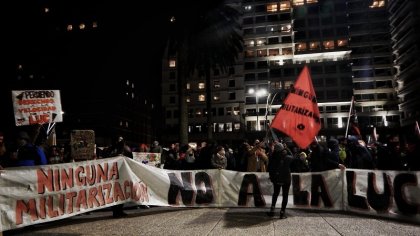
(279, 158)
(27, 149)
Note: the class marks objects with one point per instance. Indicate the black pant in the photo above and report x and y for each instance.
(117, 210)
(276, 193)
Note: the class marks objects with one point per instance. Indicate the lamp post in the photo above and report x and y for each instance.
(258, 93)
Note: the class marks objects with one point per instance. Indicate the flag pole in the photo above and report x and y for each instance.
(348, 119)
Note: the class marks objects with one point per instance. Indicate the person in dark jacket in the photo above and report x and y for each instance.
(280, 176)
(29, 154)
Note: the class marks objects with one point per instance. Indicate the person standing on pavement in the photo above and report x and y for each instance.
(119, 148)
(280, 176)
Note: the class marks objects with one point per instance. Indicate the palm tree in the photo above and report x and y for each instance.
(204, 40)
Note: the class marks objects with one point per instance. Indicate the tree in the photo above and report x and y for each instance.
(206, 38)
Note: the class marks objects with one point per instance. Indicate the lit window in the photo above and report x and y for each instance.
(311, 1)
(286, 28)
(342, 42)
(287, 51)
(301, 47)
(216, 83)
(128, 82)
(377, 3)
(273, 52)
(126, 124)
(132, 95)
(201, 85)
(236, 111)
(198, 112)
(46, 10)
(82, 26)
(237, 126)
(201, 98)
(188, 86)
(216, 97)
(132, 85)
(20, 67)
(328, 44)
(284, 5)
(249, 53)
(260, 42)
(272, 7)
(248, 8)
(69, 27)
(262, 53)
(188, 99)
(314, 45)
(228, 127)
(298, 2)
(94, 24)
(172, 63)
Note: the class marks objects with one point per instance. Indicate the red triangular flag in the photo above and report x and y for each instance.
(299, 115)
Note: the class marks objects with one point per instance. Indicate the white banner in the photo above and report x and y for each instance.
(36, 106)
(32, 195)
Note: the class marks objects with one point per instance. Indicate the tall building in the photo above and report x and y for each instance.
(346, 44)
(405, 31)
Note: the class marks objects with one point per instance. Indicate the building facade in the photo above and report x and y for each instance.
(405, 32)
(345, 43)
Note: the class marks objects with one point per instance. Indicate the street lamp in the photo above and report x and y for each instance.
(258, 93)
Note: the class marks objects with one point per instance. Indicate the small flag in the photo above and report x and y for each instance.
(374, 135)
(299, 116)
(354, 124)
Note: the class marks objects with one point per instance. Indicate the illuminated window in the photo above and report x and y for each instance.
(313, 45)
(311, 1)
(216, 97)
(298, 2)
(198, 112)
(216, 83)
(188, 99)
(172, 63)
(128, 82)
(188, 86)
(237, 126)
(249, 53)
(228, 127)
(273, 52)
(94, 24)
(201, 98)
(286, 28)
(328, 44)
(342, 42)
(284, 5)
(287, 51)
(250, 43)
(248, 8)
(201, 85)
(260, 42)
(262, 53)
(82, 26)
(272, 7)
(69, 27)
(377, 3)
(236, 111)
(46, 10)
(301, 47)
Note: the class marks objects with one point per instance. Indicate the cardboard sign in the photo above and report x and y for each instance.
(82, 144)
(36, 106)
